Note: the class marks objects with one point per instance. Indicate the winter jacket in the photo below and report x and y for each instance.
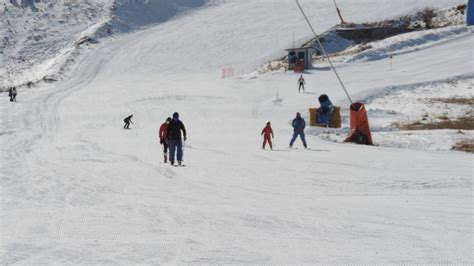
(14, 91)
(163, 132)
(301, 81)
(267, 131)
(298, 124)
(174, 130)
(127, 119)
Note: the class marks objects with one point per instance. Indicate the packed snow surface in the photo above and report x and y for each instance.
(77, 188)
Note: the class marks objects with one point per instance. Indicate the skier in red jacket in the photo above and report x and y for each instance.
(164, 137)
(267, 132)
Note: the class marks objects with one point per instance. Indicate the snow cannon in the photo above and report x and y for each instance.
(327, 115)
(360, 130)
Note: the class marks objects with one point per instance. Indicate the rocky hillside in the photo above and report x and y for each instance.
(40, 40)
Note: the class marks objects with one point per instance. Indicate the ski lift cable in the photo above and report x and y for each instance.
(324, 51)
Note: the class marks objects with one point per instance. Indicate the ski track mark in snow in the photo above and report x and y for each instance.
(42, 114)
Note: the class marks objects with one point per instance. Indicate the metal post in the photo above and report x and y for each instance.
(391, 61)
(339, 12)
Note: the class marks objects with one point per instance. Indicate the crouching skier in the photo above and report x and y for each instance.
(267, 131)
(164, 138)
(127, 121)
(174, 137)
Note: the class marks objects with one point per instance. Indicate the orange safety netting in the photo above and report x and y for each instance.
(360, 130)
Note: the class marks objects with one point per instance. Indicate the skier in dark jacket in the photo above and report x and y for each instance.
(10, 94)
(14, 93)
(298, 129)
(127, 121)
(174, 139)
(301, 83)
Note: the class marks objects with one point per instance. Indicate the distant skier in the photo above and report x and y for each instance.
(127, 121)
(163, 138)
(301, 83)
(298, 129)
(14, 93)
(10, 94)
(267, 132)
(174, 137)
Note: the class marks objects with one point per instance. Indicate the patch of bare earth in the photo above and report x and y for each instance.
(466, 146)
(464, 123)
(461, 101)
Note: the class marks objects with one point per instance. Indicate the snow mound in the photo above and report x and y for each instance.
(408, 42)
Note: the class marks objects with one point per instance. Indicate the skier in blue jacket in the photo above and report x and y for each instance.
(298, 129)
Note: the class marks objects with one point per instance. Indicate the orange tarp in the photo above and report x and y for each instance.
(360, 130)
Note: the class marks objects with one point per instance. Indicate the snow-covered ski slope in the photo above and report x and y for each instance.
(77, 188)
